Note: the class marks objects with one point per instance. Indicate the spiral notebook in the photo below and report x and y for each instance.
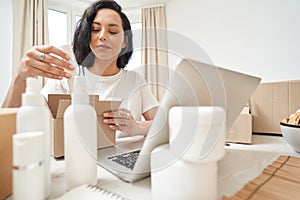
(90, 192)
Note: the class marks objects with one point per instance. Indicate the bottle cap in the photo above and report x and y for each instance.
(80, 95)
(32, 95)
(33, 85)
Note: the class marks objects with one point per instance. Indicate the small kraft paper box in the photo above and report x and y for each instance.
(58, 103)
(7, 129)
(271, 102)
(241, 130)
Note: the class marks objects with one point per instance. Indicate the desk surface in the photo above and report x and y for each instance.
(240, 164)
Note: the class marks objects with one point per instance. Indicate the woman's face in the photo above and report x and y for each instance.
(107, 35)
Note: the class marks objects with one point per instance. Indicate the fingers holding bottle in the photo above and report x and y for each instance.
(46, 61)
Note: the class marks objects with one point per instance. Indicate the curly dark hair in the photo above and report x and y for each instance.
(82, 36)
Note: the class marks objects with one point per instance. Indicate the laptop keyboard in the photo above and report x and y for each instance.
(127, 159)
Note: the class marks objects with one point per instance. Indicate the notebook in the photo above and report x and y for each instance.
(90, 192)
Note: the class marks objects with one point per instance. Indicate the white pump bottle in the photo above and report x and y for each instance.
(34, 116)
(80, 138)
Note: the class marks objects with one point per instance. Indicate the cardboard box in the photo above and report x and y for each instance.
(241, 130)
(7, 129)
(57, 107)
(59, 102)
(272, 102)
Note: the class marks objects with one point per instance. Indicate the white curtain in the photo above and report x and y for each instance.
(30, 27)
(154, 50)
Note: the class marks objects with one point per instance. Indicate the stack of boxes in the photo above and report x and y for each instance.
(270, 103)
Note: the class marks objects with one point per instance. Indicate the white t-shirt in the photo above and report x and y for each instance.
(126, 86)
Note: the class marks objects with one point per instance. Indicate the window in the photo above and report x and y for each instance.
(77, 18)
(57, 25)
(135, 62)
(61, 24)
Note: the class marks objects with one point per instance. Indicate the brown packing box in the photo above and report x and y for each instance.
(59, 102)
(106, 136)
(7, 129)
(272, 102)
(241, 130)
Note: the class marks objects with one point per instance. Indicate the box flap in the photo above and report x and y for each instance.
(53, 101)
(8, 111)
(106, 136)
(59, 102)
(93, 99)
(104, 106)
(245, 110)
(62, 106)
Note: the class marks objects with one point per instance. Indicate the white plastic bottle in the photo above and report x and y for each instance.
(80, 138)
(34, 116)
(28, 166)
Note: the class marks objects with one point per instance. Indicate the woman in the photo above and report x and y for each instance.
(102, 44)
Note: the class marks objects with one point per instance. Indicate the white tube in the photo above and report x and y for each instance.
(28, 166)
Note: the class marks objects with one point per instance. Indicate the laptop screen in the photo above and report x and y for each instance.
(199, 84)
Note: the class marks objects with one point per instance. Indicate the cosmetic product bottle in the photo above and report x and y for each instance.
(80, 138)
(33, 115)
(197, 138)
(28, 166)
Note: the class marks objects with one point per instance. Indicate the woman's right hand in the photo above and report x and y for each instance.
(46, 61)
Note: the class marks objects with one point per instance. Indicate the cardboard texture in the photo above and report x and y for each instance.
(57, 107)
(106, 136)
(59, 102)
(241, 130)
(7, 129)
(272, 102)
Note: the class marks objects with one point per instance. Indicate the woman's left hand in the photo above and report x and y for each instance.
(123, 120)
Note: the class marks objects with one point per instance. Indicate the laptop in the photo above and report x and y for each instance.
(192, 83)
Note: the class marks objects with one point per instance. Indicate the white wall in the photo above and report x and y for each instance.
(6, 46)
(259, 37)
(134, 15)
